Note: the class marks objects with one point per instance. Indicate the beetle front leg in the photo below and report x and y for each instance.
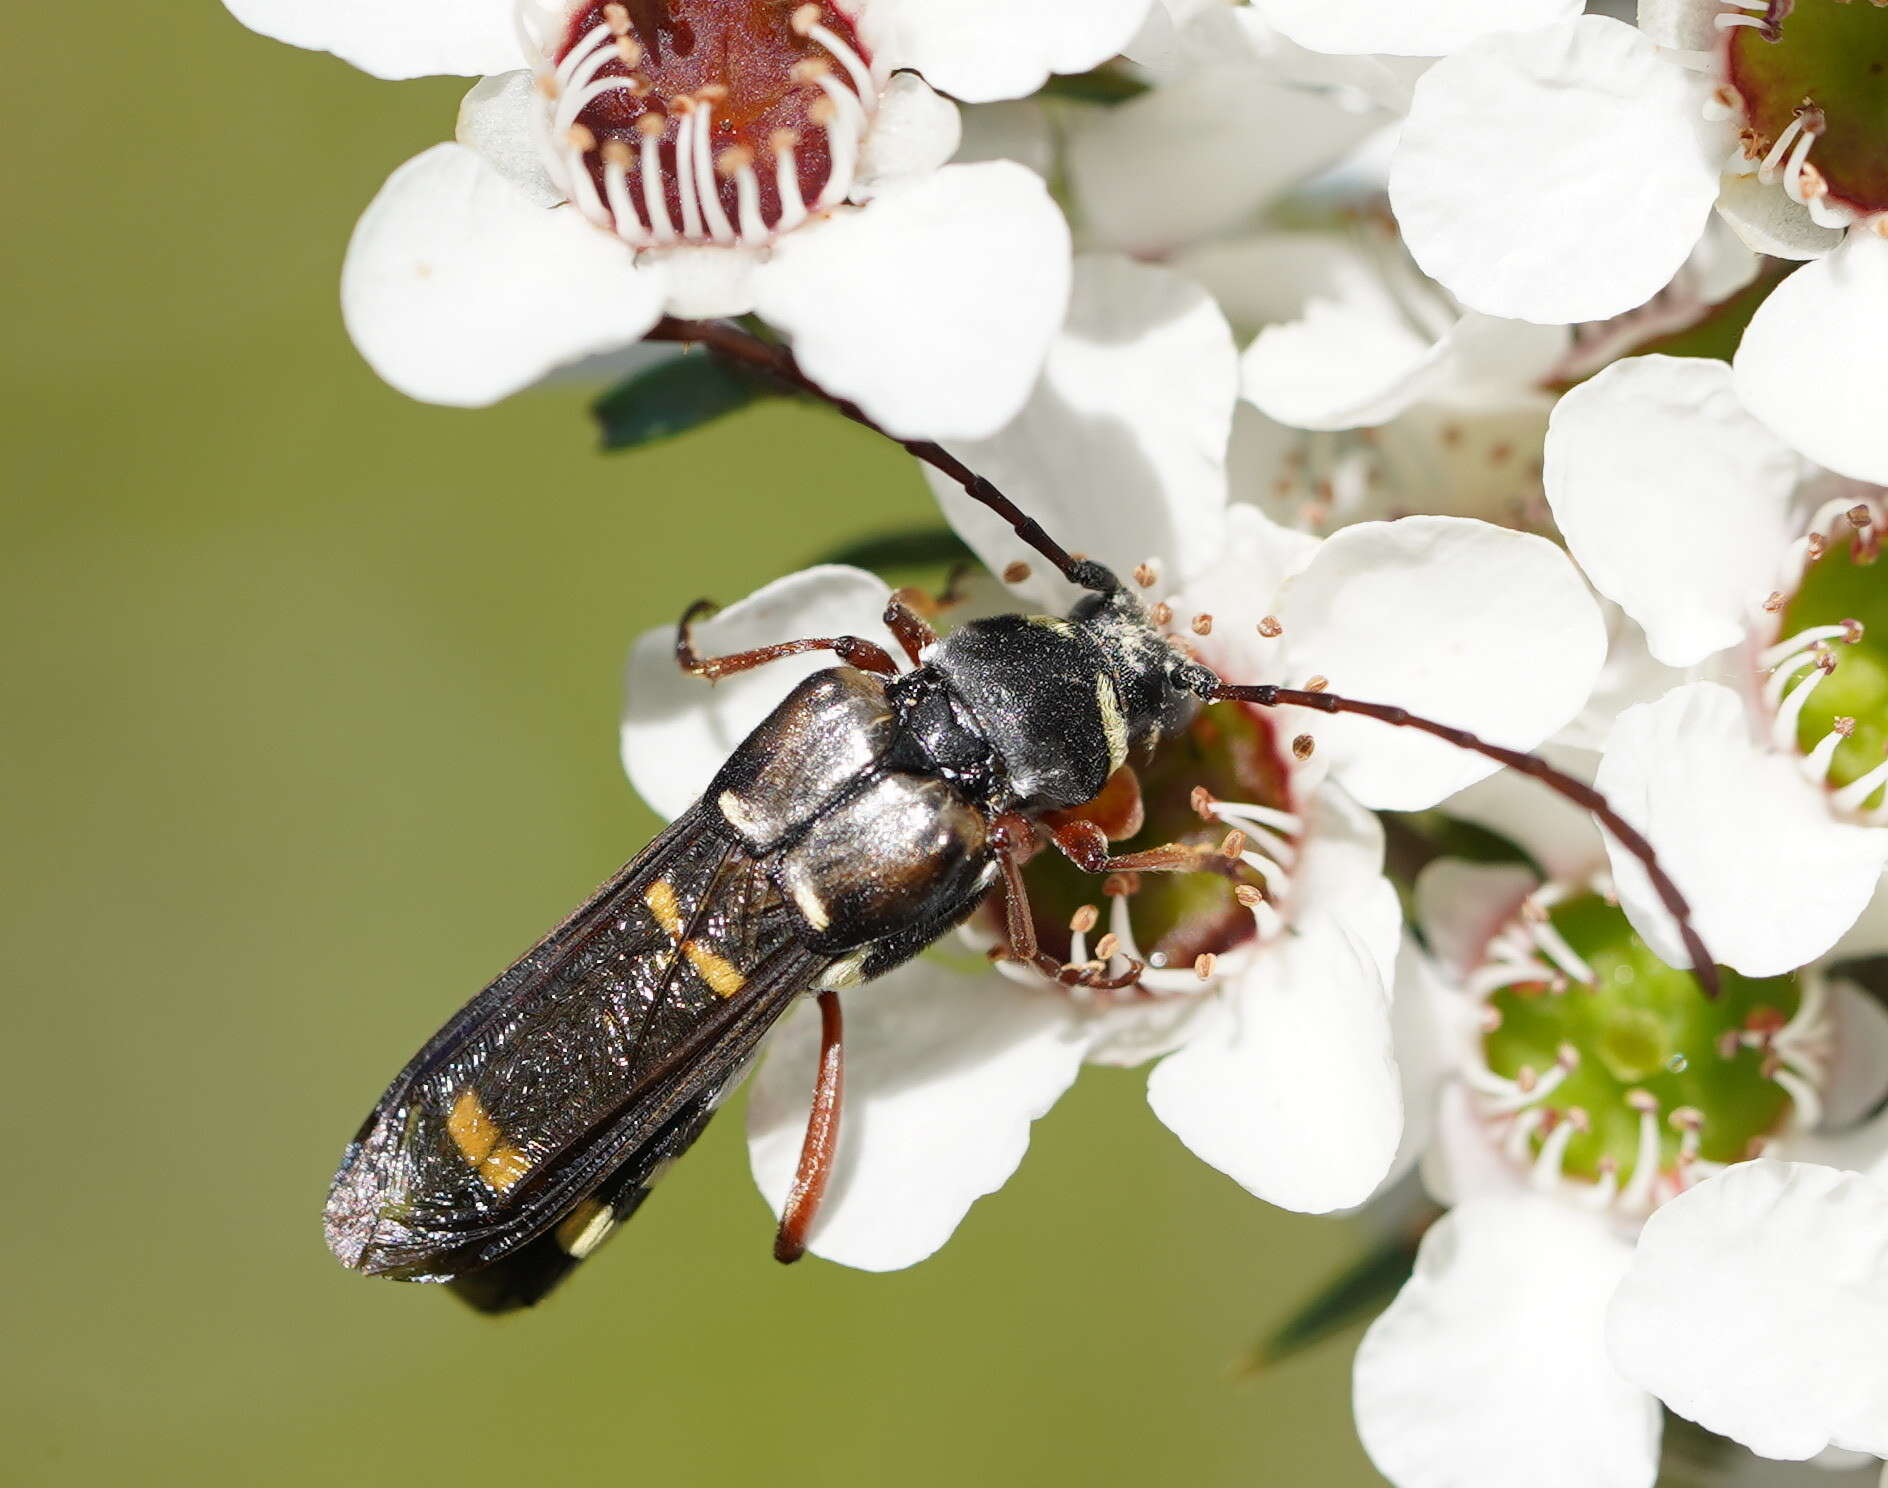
(856, 651)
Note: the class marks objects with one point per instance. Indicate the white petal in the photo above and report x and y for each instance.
(459, 289)
(1241, 587)
(495, 119)
(394, 38)
(1766, 218)
(1558, 175)
(1756, 1306)
(1858, 1068)
(1815, 357)
(1772, 878)
(1181, 163)
(1017, 130)
(1121, 449)
(1464, 1160)
(914, 132)
(1490, 1367)
(1291, 1090)
(980, 50)
(1674, 500)
(1429, 29)
(707, 281)
(677, 729)
(1549, 828)
(933, 306)
(944, 1072)
(1468, 624)
(1427, 1024)
(1460, 905)
(1338, 366)
(1682, 25)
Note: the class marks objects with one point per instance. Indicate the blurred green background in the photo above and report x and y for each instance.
(313, 695)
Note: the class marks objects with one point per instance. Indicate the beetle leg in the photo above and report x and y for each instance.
(822, 1137)
(914, 632)
(1023, 945)
(1084, 844)
(856, 651)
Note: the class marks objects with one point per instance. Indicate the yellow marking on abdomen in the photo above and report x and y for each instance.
(585, 1228)
(480, 1142)
(724, 979)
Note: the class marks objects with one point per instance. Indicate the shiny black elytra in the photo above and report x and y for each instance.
(869, 814)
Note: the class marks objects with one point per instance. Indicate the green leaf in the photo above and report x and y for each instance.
(914, 547)
(1107, 85)
(1361, 1290)
(680, 394)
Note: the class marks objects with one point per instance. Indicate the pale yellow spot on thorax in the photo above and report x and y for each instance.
(480, 1142)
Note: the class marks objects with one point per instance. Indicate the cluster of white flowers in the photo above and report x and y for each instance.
(1523, 366)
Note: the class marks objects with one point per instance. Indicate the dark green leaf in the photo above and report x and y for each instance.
(1360, 1291)
(915, 547)
(1105, 85)
(680, 394)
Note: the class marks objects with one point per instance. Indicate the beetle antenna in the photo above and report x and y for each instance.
(1703, 966)
(776, 364)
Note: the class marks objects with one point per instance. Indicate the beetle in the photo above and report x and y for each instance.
(875, 809)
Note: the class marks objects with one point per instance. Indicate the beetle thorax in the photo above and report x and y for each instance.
(1065, 703)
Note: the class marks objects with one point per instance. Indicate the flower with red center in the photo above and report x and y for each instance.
(632, 158)
(1265, 998)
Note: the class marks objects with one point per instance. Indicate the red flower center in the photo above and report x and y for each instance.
(707, 120)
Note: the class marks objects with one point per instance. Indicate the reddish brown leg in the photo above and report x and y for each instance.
(853, 650)
(912, 629)
(822, 1137)
(1084, 844)
(1022, 932)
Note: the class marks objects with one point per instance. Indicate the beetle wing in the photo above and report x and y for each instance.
(609, 1039)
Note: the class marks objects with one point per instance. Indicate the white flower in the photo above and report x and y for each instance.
(1567, 1085)
(1562, 174)
(1272, 1027)
(613, 174)
(1732, 550)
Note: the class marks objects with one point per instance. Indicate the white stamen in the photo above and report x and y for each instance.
(787, 183)
(654, 199)
(1552, 1157)
(1277, 880)
(616, 187)
(583, 190)
(1767, 172)
(1803, 639)
(719, 228)
(1605, 1187)
(685, 174)
(1793, 171)
(1783, 728)
(1492, 976)
(1816, 763)
(1852, 796)
(1804, 1098)
(848, 59)
(1645, 1163)
(842, 139)
(1239, 813)
(595, 41)
(1559, 952)
(747, 200)
(1726, 21)
(1520, 1130)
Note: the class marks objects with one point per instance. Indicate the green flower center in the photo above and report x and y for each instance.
(1812, 75)
(1609, 1049)
(1837, 673)
(1228, 754)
